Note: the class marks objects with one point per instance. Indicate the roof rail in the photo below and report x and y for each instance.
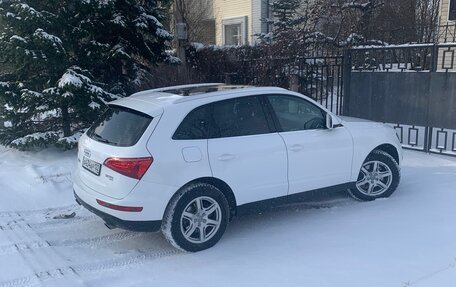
(180, 87)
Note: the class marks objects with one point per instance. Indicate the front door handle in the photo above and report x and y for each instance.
(296, 147)
(226, 157)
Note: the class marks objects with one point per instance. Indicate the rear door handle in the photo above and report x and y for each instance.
(226, 157)
(296, 147)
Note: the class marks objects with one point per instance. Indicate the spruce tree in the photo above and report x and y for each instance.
(292, 23)
(68, 58)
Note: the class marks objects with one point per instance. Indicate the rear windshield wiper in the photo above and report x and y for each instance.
(103, 140)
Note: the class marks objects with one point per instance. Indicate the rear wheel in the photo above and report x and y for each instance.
(379, 177)
(196, 217)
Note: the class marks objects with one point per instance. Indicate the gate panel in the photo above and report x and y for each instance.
(412, 87)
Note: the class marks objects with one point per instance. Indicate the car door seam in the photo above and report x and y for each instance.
(288, 163)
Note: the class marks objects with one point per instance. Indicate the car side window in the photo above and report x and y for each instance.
(239, 117)
(198, 124)
(295, 114)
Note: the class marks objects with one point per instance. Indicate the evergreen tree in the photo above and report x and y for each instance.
(68, 59)
(292, 22)
(286, 18)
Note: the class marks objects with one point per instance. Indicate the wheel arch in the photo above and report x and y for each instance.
(389, 149)
(221, 185)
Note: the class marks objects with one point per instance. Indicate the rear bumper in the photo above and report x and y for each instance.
(145, 226)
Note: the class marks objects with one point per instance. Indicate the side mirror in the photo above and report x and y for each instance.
(329, 122)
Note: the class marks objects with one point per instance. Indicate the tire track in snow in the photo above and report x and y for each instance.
(35, 260)
(143, 256)
(15, 221)
(25, 213)
(92, 242)
(48, 225)
(45, 263)
(140, 256)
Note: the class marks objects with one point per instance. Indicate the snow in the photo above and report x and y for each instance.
(406, 240)
(98, 44)
(119, 20)
(31, 181)
(34, 137)
(162, 33)
(29, 10)
(40, 33)
(51, 91)
(44, 113)
(70, 78)
(357, 5)
(197, 46)
(67, 95)
(8, 107)
(119, 49)
(18, 38)
(73, 139)
(94, 105)
(101, 3)
(174, 60)
(29, 93)
(382, 47)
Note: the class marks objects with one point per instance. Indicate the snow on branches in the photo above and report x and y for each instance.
(68, 60)
(361, 6)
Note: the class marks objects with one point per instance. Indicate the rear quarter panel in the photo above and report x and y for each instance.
(170, 169)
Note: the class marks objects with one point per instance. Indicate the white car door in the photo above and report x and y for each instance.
(317, 157)
(244, 153)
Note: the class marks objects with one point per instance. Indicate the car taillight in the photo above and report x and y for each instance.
(131, 167)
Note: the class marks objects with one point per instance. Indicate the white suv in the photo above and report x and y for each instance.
(186, 159)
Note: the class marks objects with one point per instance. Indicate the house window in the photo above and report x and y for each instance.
(452, 10)
(234, 31)
(233, 34)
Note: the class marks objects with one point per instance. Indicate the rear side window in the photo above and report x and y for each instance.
(228, 118)
(198, 124)
(119, 126)
(239, 117)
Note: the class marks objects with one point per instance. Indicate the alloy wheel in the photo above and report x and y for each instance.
(201, 219)
(374, 178)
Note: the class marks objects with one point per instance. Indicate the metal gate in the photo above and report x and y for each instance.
(412, 87)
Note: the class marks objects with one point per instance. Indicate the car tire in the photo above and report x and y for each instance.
(196, 217)
(378, 178)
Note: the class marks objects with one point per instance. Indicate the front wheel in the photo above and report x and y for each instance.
(379, 177)
(196, 217)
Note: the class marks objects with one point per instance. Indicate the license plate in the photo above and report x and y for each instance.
(92, 166)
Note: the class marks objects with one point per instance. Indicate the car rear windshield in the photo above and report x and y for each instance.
(119, 126)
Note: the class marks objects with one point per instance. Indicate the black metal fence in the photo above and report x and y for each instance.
(319, 77)
(412, 87)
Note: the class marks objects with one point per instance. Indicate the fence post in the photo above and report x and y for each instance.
(428, 131)
(228, 78)
(346, 81)
(435, 57)
(294, 82)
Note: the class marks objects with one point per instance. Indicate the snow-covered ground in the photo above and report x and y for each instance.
(406, 240)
